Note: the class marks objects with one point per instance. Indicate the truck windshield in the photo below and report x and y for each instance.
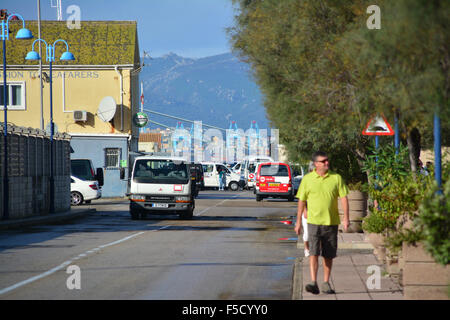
(160, 171)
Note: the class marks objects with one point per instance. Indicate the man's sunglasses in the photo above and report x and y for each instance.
(323, 161)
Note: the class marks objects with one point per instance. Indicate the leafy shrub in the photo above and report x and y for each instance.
(433, 222)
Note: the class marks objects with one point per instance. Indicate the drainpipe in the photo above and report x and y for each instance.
(116, 68)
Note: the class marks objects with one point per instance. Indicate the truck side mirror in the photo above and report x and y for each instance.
(122, 173)
(99, 177)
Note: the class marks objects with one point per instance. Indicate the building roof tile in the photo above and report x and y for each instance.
(95, 43)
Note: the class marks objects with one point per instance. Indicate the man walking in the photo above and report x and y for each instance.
(320, 189)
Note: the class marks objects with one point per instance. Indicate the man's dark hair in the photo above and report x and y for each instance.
(318, 154)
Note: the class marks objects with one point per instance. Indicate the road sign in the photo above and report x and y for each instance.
(378, 126)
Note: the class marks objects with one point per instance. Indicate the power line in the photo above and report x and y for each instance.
(182, 119)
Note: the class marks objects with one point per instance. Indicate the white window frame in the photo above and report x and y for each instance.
(119, 157)
(23, 105)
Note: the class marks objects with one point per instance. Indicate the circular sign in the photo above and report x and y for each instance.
(251, 175)
(140, 119)
(262, 179)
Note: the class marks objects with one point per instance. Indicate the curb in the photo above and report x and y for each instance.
(297, 280)
(51, 218)
(346, 245)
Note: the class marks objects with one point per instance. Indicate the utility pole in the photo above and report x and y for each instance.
(40, 64)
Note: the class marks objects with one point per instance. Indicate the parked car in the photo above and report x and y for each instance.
(83, 191)
(274, 179)
(297, 176)
(249, 164)
(86, 183)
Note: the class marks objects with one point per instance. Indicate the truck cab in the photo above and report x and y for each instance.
(160, 185)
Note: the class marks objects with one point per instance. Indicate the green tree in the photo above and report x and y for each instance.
(323, 73)
(308, 91)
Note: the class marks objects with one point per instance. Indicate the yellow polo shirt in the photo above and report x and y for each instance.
(321, 194)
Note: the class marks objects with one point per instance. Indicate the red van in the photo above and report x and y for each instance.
(274, 179)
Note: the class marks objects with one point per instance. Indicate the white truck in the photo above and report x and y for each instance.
(160, 185)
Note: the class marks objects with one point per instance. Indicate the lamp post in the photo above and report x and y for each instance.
(23, 33)
(50, 56)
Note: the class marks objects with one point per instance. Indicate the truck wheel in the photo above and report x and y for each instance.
(258, 198)
(290, 198)
(234, 186)
(187, 215)
(134, 214)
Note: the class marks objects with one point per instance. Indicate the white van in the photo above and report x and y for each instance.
(211, 176)
(160, 185)
(85, 183)
(247, 178)
(237, 167)
(274, 179)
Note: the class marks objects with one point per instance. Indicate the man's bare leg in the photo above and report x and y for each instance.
(327, 265)
(313, 267)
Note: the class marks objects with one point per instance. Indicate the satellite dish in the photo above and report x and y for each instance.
(107, 109)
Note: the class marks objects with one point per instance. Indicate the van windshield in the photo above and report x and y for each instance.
(160, 171)
(82, 169)
(274, 170)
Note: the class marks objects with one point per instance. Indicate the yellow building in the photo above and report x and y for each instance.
(106, 65)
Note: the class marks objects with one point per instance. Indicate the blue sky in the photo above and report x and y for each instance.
(189, 28)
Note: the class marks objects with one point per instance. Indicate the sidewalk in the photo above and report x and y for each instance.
(73, 213)
(349, 273)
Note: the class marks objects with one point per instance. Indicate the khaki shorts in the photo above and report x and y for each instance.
(322, 240)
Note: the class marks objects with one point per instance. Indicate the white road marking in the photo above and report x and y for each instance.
(70, 261)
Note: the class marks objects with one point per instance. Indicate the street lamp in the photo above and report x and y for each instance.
(23, 33)
(50, 55)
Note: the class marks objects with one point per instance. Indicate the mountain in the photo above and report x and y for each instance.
(215, 90)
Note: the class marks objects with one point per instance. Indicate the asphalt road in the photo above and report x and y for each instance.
(233, 248)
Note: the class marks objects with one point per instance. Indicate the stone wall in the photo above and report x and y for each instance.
(29, 172)
(423, 278)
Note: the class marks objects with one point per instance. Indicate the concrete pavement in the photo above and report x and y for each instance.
(352, 275)
(73, 213)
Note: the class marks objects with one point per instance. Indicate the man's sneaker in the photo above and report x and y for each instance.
(313, 288)
(326, 288)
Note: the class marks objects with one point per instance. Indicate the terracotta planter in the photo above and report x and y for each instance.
(377, 241)
(357, 202)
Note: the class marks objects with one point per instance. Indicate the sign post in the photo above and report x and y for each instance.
(378, 126)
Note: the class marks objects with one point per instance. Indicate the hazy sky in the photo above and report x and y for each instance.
(189, 28)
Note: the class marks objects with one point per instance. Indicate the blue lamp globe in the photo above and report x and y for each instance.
(67, 56)
(32, 55)
(24, 33)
